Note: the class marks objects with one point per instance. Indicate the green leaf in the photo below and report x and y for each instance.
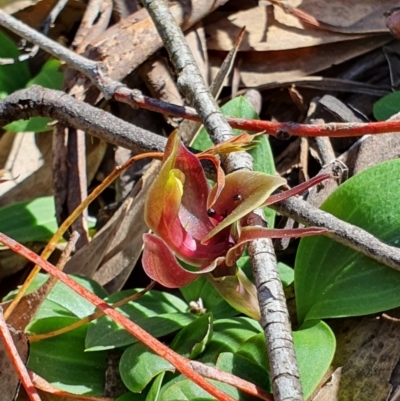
(229, 335)
(51, 77)
(191, 341)
(62, 301)
(286, 272)
(132, 397)
(332, 280)
(29, 221)
(262, 155)
(155, 389)
(139, 365)
(186, 390)
(158, 313)
(245, 368)
(34, 124)
(203, 290)
(314, 345)
(62, 361)
(387, 106)
(14, 76)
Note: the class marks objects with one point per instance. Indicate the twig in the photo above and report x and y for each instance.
(16, 360)
(36, 101)
(181, 363)
(284, 372)
(340, 231)
(110, 88)
(191, 82)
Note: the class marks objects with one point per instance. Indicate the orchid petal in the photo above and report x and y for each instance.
(251, 233)
(160, 264)
(252, 187)
(239, 292)
(298, 189)
(154, 207)
(237, 143)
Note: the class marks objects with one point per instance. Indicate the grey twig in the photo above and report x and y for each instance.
(340, 231)
(283, 365)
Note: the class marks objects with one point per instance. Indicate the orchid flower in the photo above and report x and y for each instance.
(199, 229)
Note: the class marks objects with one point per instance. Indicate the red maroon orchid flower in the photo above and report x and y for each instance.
(203, 227)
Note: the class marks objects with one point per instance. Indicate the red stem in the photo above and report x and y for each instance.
(278, 129)
(19, 365)
(181, 363)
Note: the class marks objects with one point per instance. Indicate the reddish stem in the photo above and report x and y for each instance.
(278, 129)
(19, 365)
(180, 363)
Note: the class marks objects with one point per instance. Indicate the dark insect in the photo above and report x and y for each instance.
(211, 212)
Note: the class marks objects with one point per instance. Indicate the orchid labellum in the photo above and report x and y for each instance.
(199, 229)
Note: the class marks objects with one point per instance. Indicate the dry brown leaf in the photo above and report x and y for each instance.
(260, 68)
(359, 17)
(27, 158)
(263, 33)
(117, 247)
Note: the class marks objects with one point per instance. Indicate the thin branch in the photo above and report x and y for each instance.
(340, 231)
(110, 88)
(15, 358)
(284, 372)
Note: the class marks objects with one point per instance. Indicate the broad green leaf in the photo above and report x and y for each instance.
(14, 76)
(51, 77)
(245, 368)
(62, 361)
(62, 301)
(203, 290)
(138, 366)
(228, 336)
(262, 155)
(332, 280)
(39, 280)
(29, 221)
(132, 397)
(286, 272)
(387, 106)
(315, 346)
(155, 389)
(186, 390)
(157, 312)
(191, 341)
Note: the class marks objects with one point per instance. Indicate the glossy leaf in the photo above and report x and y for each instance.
(203, 290)
(191, 341)
(155, 389)
(62, 301)
(387, 106)
(332, 280)
(186, 390)
(63, 362)
(229, 335)
(29, 221)
(51, 77)
(14, 76)
(314, 345)
(139, 365)
(245, 368)
(157, 312)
